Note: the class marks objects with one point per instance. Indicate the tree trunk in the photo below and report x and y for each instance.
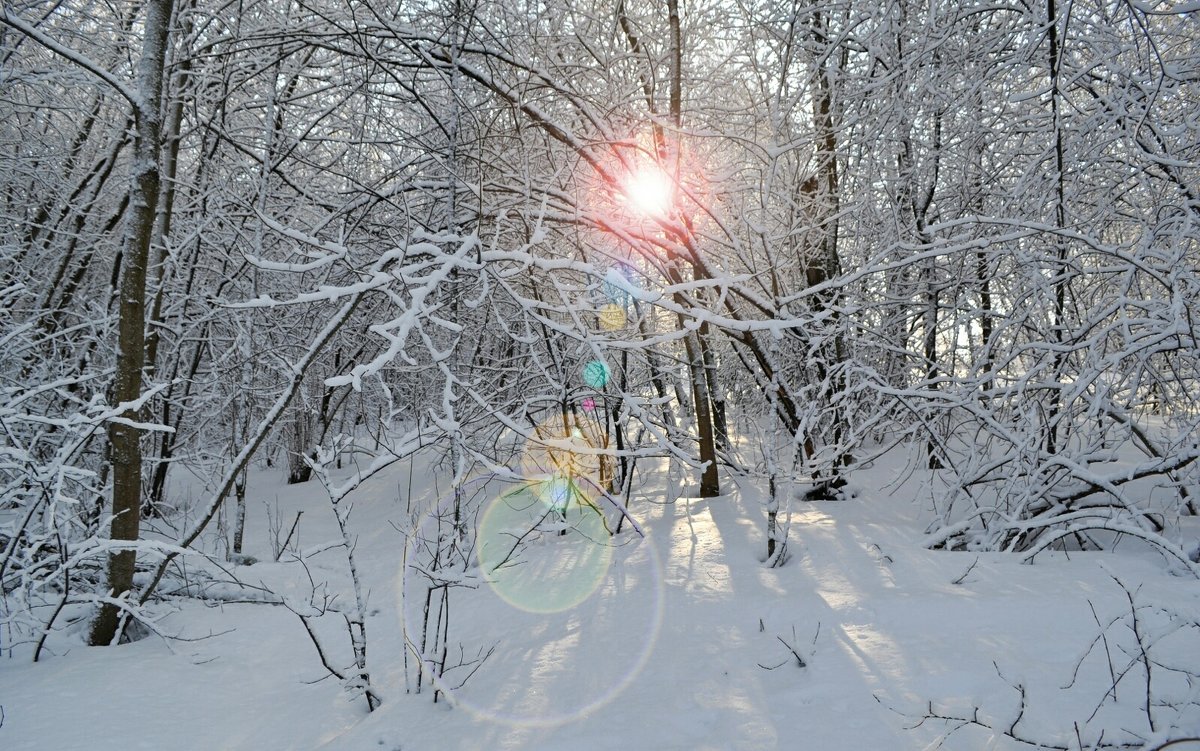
(1057, 323)
(239, 522)
(300, 446)
(125, 438)
(709, 483)
(826, 197)
(715, 393)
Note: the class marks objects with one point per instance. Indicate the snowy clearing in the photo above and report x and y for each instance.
(686, 642)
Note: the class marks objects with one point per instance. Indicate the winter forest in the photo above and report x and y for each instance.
(600, 374)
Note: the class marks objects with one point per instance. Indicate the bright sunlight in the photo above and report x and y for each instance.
(649, 192)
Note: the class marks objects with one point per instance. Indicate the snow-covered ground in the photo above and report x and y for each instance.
(680, 640)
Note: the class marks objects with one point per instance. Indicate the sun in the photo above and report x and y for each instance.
(649, 192)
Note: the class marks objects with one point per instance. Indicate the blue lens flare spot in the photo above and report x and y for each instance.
(596, 374)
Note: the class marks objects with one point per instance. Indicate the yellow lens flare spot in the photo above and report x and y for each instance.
(564, 446)
(544, 547)
(649, 192)
(612, 317)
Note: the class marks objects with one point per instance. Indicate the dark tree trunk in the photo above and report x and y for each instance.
(125, 438)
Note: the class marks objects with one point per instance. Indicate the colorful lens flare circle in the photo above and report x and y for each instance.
(562, 446)
(544, 547)
(570, 584)
(596, 374)
(612, 317)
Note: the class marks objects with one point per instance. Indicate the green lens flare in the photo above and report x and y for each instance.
(544, 548)
(595, 374)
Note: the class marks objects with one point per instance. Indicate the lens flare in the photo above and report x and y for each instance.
(618, 289)
(596, 374)
(545, 574)
(612, 317)
(649, 192)
(544, 547)
(561, 446)
(556, 493)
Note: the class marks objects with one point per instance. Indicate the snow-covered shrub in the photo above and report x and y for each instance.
(1086, 431)
(51, 480)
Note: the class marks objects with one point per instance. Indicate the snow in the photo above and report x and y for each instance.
(687, 640)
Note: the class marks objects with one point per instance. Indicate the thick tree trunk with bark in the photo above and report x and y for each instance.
(710, 485)
(124, 435)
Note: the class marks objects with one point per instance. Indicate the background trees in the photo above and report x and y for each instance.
(974, 226)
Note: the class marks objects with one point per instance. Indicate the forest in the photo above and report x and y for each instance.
(705, 374)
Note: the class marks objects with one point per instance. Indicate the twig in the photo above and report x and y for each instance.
(292, 531)
(963, 577)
